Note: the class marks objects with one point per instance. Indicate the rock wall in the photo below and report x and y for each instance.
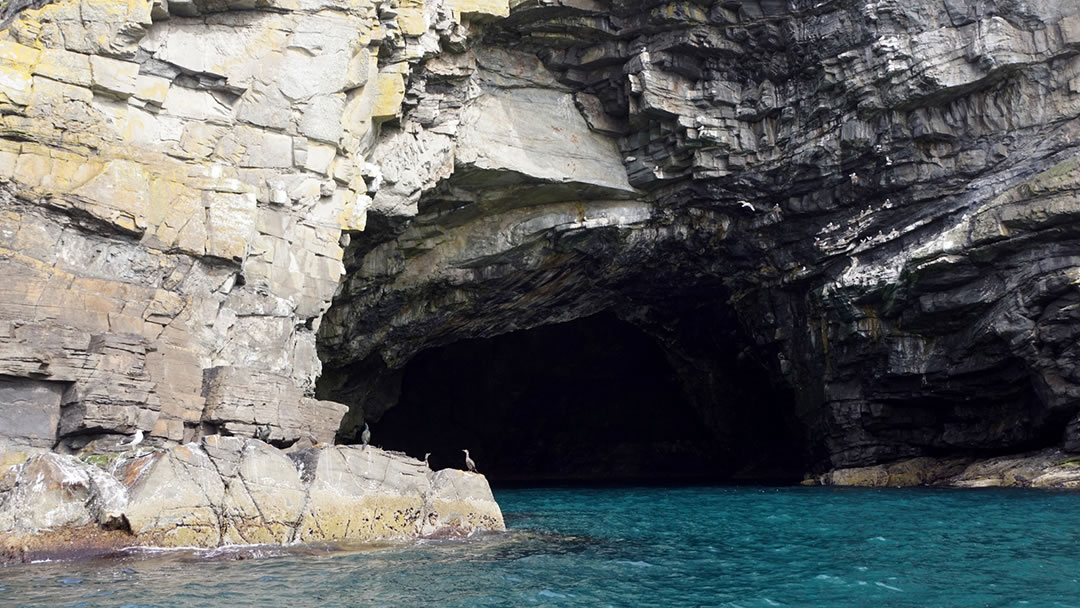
(176, 180)
(205, 202)
(882, 193)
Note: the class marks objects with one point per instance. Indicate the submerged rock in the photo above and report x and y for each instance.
(227, 490)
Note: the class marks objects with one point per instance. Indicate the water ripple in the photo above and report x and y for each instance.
(662, 547)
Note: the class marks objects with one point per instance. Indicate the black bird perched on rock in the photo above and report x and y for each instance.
(365, 437)
(469, 462)
(263, 433)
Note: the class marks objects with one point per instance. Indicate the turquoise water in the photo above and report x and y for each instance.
(667, 547)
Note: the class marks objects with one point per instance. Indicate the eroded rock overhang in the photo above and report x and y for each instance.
(883, 195)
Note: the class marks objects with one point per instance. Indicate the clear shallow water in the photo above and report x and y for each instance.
(744, 546)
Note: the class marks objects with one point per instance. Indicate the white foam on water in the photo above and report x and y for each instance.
(883, 585)
(636, 564)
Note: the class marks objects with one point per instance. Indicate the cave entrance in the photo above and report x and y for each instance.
(595, 399)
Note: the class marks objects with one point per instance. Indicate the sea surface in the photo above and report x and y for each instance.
(695, 546)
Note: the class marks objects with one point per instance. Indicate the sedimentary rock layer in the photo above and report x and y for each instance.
(208, 207)
(175, 178)
(879, 196)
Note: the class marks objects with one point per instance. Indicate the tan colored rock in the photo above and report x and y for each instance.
(462, 503)
(480, 10)
(228, 490)
(390, 91)
(114, 77)
(364, 493)
(16, 81)
(174, 497)
(65, 66)
(239, 400)
(1044, 469)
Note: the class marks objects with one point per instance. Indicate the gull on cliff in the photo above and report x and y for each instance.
(135, 440)
(469, 464)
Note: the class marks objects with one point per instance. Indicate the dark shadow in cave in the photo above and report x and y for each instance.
(590, 400)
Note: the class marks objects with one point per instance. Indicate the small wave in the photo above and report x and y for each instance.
(890, 587)
(634, 563)
(547, 593)
(880, 539)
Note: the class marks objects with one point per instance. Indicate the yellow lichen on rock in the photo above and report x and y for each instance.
(480, 10)
(410, 17)
(390, 92)
(16, 69)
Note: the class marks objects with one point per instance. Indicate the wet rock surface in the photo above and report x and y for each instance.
(1047, 469)
(228, 491)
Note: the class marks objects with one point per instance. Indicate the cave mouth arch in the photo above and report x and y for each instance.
(594, 400)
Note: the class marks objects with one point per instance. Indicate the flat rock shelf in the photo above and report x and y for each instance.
(230, 491)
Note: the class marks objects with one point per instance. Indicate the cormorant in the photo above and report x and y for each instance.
(263, 433)
(469, 462)
(365, 437)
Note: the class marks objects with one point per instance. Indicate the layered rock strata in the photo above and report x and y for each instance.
(230, 491)
(879, 196)
(175, 180)
(872, 202)
(1047, 469)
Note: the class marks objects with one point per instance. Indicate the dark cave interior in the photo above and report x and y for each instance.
(591, 400)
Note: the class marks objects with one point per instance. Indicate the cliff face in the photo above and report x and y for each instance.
(871, 202)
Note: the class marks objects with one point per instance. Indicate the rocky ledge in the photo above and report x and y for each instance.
(1049, 469)
(230, 491)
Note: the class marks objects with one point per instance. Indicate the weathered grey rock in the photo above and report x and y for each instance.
(239, 400)
(364, 492)
(1046, 469)
(50, 491)
(31, 411)
(228, 490)
(881, 198)
(875, 201)
(136, 166)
